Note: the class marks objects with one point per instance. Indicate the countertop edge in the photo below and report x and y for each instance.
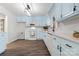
(65, 37)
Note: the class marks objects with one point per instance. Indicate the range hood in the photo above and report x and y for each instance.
(32, 24)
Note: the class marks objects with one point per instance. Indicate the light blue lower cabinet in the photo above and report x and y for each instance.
(2, 45)
(3, 42)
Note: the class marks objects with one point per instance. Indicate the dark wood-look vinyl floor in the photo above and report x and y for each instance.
(26, 48)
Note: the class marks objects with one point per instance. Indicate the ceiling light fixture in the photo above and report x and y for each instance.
(27, 9)
(27, 12)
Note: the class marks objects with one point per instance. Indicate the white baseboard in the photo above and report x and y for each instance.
(12, 40)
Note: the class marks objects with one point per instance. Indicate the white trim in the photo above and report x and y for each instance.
(11, 40)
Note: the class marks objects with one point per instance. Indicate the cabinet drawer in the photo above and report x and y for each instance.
(71, 47)
(70, 51)
(69, 44)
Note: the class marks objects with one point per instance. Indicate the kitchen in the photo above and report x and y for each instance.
(56, 24)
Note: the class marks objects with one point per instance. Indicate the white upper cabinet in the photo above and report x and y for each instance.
(37, 20)
(57, 11)
(67, 9)
(20, 20)
(62, 10)
(76, 7)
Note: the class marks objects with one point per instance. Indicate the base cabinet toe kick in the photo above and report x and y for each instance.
(58, 46)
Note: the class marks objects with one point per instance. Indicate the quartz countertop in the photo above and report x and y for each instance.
(64, 36)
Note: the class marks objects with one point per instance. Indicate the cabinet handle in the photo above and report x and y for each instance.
(74, 8)
(60, 49)
(68, 45)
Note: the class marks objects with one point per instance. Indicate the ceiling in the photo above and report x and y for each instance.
(38, 9)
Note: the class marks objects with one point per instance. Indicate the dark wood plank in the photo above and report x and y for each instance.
(26, 48)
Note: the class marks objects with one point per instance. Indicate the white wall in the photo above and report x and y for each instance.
(20, 28)
(11, 24)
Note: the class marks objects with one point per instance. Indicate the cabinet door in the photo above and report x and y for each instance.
(45, 36)
(50, 47)
(56, 47)
(48, 42)
(77, 6)
(37, 34)
(40, 35)
(64, 53)
(57, 11)
(69, 48)
(2, 45)
(67, 9)
(28, 21)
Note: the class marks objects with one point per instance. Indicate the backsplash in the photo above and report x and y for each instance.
(68, 27)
